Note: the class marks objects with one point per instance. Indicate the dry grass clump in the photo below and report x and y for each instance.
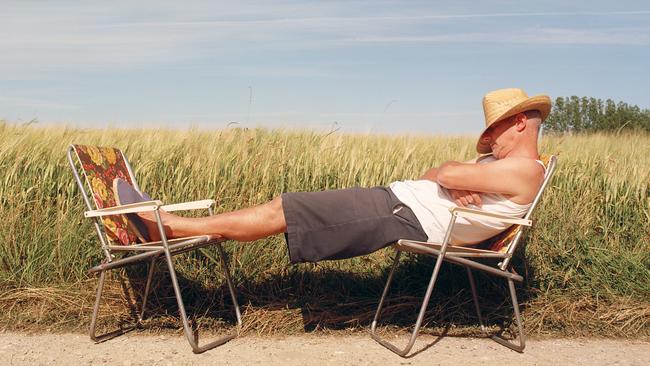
(583, 316)
(586, 260)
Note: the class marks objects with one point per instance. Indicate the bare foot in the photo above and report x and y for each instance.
(149, 220)
(175, 226)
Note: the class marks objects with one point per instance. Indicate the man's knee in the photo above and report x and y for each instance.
(277, 213)
(276, 203)
(275, 206)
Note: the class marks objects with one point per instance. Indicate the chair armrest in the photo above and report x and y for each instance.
(194, 205)
(485, 215)
(124, 209)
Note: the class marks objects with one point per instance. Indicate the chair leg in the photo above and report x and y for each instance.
(152, 266)
(193, 340)
(521, 335)
(226, 271)
(231, 288)
(373, 326)
(93, 320)
(477, 306)
(425, 302)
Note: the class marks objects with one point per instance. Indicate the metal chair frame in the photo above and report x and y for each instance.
(151, 253)
(460, 256)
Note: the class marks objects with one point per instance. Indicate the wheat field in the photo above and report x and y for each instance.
(586, 261)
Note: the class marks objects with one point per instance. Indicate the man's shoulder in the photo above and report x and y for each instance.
(528, 168)
(517, 165)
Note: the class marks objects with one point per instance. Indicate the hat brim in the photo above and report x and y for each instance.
(542, 103)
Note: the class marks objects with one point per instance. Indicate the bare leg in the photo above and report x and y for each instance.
(247, 224)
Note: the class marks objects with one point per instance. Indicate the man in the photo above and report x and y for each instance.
(350, 222)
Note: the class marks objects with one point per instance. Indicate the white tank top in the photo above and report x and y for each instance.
(431, 202)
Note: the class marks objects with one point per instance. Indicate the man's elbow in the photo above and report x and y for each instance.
(444, 179)
(445, 176)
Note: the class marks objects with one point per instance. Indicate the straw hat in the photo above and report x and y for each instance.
(503, 103)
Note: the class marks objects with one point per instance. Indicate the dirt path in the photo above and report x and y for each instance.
(138, 349)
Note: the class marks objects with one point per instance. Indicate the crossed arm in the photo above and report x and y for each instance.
(462, 197)
(466, 180)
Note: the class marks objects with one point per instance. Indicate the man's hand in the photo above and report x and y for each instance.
(465, 198)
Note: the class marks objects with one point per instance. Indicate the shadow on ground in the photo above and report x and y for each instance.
(329, 299)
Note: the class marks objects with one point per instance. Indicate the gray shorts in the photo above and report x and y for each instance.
(345, 223)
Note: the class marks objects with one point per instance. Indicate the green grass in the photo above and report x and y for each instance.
(587, 258)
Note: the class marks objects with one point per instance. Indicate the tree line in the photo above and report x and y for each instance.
(579, 115)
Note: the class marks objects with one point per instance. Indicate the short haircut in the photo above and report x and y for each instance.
(534, 113)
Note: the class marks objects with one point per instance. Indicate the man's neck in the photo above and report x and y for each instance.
(524, 150)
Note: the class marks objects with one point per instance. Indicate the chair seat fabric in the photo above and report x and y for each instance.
(100, 165)
(403, 245)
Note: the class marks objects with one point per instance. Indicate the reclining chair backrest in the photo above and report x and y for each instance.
(506, 241)
(100, 165)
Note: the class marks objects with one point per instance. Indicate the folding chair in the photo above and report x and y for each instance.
(100, 165)
(501, 247)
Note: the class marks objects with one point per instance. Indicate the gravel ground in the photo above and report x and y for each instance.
(358, 349)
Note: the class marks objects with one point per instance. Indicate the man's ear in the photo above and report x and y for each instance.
(520, 122)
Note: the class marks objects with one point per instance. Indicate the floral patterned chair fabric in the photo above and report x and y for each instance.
(100, 166)
(501, 242)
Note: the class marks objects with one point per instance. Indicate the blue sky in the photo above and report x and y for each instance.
(417, 67)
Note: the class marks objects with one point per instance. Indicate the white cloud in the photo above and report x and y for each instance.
(603, 36)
